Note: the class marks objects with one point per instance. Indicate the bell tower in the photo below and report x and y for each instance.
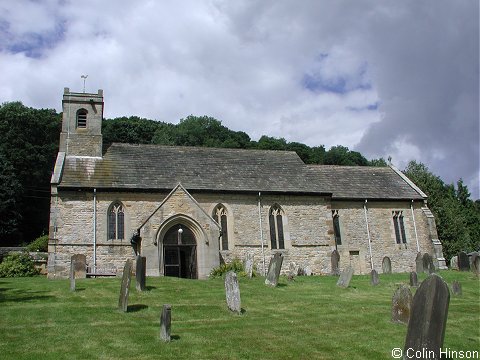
(82, 124)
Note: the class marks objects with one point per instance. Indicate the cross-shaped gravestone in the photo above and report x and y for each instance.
(125, 286)
(274, 270)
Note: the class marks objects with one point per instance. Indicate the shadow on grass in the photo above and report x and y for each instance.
(136, 307)
(17, 295)
(148, 288)
(174, 337)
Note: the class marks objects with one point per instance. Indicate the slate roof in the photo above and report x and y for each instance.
(157, 168)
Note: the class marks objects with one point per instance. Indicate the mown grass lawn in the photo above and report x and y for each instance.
(309, 318)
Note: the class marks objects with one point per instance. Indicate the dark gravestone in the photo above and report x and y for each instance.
(374, 278)
(79, 262)
(386, 265)
(125, 287)
(401, 304)
(345, 277)
(166, 322)
(413, 279)
(426, 329)
(232, 292)
(140, 272)
(428, 266)
(456, 288)
(274, 270)
(419, 263)
(463, 262)
(72, 276)
(335, 262)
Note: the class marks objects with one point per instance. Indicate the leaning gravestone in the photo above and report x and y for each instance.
(454, 263)
(374, 278)
(456, 288)
(140, 272)
(249, 266)
(386, 265)
(232, 292)
(413, 279)
(335, 258)
(428, 265)
(419, 263)
(463, 262)
(166, 322)
(401, 304)
(426, 329)
(274, 270)
(125, 287)
(345, 277)
(79, 262)
(72, 276)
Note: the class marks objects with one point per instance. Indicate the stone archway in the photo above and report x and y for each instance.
(179, 252)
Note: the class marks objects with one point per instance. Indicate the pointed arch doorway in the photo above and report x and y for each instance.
(180, 252)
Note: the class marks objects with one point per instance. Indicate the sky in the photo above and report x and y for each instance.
(392, 78)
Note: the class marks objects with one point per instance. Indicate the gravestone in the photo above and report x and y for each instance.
(463, 262)
(125, 286)
(248, 266)
(232, 292)
(413, 279)
(456, 288)
(72, 276)
(166, 322)
(419, 263)
(335, 258)
(307, 271)
(401, 304)
(428, 266)
(140, 273)
(79, 262)
(426, 329)
(386, 265)
(374, 280)
(454, 263)
(474, 263)
(274, 270)
(345, 277)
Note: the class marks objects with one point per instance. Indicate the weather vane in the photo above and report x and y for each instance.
(84, 77)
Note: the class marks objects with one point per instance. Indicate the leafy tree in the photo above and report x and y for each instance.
(271, 143)
(132, 130)
(341, 155)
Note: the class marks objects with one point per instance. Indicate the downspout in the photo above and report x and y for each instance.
(94, 230)
(261, 228)
(368, 233)
(415, 226)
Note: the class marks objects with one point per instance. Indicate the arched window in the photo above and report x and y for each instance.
(336, 227)
(116, 222)
(220, 216)
(275, 219)
(399, 226)
(82, 118)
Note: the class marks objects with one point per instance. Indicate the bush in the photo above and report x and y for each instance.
(39, 244)
(17, 265)
(236, 265)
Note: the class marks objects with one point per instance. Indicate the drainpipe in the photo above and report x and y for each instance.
(368, 233)
(261, 228)
(415, 226)
(94, 230)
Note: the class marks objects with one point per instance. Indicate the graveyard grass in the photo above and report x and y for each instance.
(308, 318)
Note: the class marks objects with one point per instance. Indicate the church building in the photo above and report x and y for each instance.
(188, 209)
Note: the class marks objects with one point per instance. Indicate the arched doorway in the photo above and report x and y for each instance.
(180, 252)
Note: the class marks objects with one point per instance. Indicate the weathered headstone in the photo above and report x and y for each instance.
(166, 322)
(419, 263)
(456, 288)
(386, 265)
(401, 304)
(72, 276)
(374, 280)
(335, 258)
(463, 262)
(79, 262)
(125, 286)
(428, 265)
(475, 263)
(345, 277)
(140, 273)
(307, 271)
(426, 329)
(248, 265)
(454, 263)
(413, 279)
(274, 270)
(232, 292)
